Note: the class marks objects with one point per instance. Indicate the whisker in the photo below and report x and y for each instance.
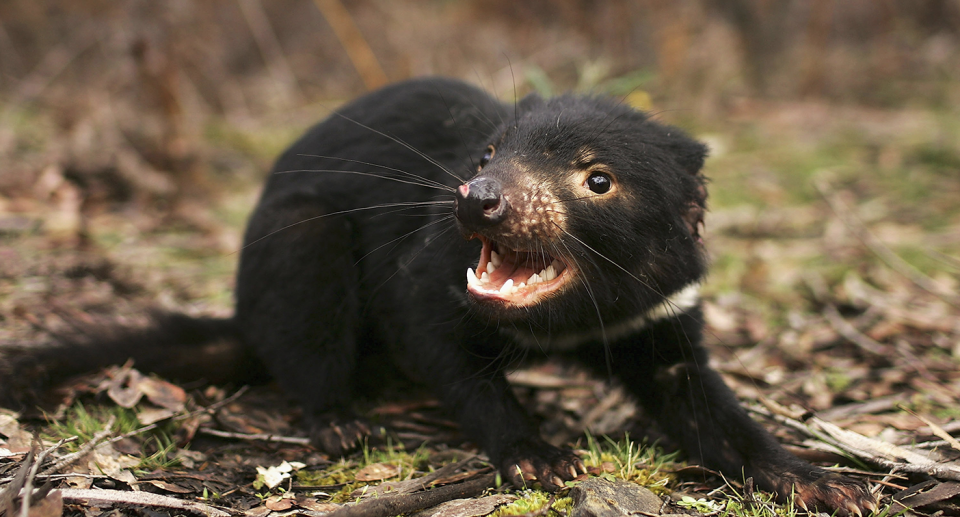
(404, 236)
(493, 125)
(414, 256)
(603, 332)
(341, 212)
(604, 257)
(371, 164)
(404, 144)
(434, 185)
(463, 142)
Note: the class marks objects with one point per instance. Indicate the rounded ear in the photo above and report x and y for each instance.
(688, 153)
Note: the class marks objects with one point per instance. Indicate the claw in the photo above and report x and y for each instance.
(854, 509)
(572, 471)
(557, 481)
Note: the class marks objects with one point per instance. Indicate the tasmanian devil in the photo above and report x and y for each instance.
(431, 222)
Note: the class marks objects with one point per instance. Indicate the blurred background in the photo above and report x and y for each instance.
(134, 136)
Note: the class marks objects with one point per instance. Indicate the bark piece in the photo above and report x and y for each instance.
(468, 507)
(601, 498)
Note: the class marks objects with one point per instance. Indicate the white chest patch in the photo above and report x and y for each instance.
(677, 303)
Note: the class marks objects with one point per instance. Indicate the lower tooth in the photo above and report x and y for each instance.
(471, 276)
(507, 287)
(484, 277)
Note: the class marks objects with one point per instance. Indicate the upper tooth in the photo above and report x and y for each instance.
(490, 267)
(550, 273)
(495, 258)
(507, 286)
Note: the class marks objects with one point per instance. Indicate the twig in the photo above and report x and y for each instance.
(409, 503)
(878, 248)
(416, 484)
(85, 449)
(32, 474)
(92, 443)
(850, 332)
(270, 47)
(359, 51)
(86, 496)
(886, 454)
(937, 430)
(266, 437)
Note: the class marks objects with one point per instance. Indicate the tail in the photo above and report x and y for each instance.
(174, 346)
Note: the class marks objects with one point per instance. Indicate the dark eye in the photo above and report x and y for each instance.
(487, 156)
(599, 183)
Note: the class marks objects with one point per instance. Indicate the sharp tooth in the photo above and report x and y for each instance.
(551, 272)
(495, 259)
(490, 267)
(484, 277)
(534, 278)
(507, 286)
(472, 277)
(521, 285)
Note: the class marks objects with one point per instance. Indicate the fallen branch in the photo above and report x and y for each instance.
(147, 499)
(886, 454)
(409, 503)
(265, 437)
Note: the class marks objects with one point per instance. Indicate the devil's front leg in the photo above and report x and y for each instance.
(666, 369)
(477, 393)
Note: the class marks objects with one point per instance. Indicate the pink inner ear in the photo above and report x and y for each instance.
(693, 218)
(464, 189)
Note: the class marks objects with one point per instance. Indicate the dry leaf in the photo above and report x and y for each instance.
(170, 487)
(377, 472)
(163, 393)
(122, 387)
(148, 415)
(279, 503)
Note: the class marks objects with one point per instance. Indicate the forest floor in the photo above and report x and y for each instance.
(832, 306)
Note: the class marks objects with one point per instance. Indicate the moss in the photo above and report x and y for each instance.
(533, 501)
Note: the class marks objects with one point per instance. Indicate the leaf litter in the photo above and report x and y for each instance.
(836, 314)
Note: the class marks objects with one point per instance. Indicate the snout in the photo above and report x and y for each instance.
(480, 203)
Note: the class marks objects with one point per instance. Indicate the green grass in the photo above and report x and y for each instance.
(630, 461)
(157, 446)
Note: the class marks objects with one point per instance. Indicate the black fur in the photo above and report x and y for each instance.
(326, 279)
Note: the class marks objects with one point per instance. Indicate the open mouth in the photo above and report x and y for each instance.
(516, 277)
